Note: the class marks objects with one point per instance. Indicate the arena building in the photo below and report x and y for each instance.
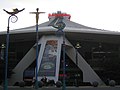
(90, 54)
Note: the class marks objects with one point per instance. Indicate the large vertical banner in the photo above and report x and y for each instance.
(48, 62)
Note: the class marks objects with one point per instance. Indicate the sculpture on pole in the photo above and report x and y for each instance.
(37, 18)
(60, 25)
(15, 11)
(12, 14)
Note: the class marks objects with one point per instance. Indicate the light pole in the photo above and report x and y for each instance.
(37, 18)
(60, 26)
(13, 19)
(64, 61)
(77, 47)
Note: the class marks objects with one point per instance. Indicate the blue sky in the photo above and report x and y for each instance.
(102, 14)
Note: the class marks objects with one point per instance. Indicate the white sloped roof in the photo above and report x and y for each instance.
(70, 27)
(73, 31)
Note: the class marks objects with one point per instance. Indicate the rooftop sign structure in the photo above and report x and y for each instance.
(59, 14)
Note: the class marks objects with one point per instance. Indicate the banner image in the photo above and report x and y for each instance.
(48, 62)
